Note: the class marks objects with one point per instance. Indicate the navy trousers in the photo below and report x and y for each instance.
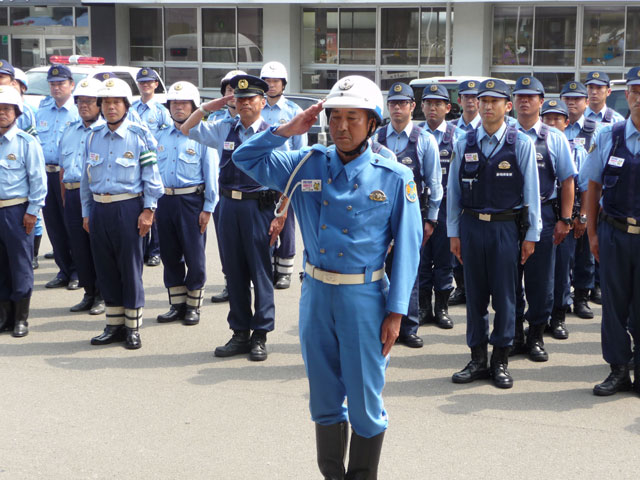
(152, 242)
(16, 255)
(182, 246)
(490, 254)
(79, 242)
(117, 252)
(244, 240)
(287, 247)
(436, 259)
(562, 277)
(584, 264)
(53, 213)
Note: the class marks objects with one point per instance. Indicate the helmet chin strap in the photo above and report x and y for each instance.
(363, 145)
(118, 121)
(274, 96)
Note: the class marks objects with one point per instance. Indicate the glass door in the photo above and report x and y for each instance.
(34, 51)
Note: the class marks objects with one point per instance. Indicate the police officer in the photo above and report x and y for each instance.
(153, 114)
(468, 101)
(418, 150)
(581, 132)
(436, 263)
(71, 159)
(351, 204)
(7, 73)
(555, 114)
(120, 187)
(599, 88)
(493, 182)
(53, 117)
(23, 189)
(277, 111)
(246, 223)
(612, 167)
(189, 173)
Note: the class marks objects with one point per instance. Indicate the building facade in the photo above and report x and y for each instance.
(322, 41)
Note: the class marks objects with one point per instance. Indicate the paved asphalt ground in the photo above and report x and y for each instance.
(171, 410)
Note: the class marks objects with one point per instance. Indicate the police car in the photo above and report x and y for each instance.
(617, 99)
(82, 67)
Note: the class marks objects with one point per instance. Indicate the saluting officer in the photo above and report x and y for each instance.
(612, 169)
(72, 153)
(555, 167)
(418, 150)
(120, 188)
(351, 205)
(599, 88)
(53, 117)
(492, 190)
(277, 111)
(189, 173)
(23, 189)
(246, 223)
(436, 263)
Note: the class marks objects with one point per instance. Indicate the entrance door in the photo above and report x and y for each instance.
(34, 51)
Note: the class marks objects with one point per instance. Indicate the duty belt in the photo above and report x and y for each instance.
(52, 168)
(108, 198)
(72, 186)
(493, 217)
(13, 201)
(627, 225)
(333, 278)
(184, 190)
(238, 195)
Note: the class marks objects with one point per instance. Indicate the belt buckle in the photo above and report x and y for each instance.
(236, 195)
(331, 278)
(170, 191)
(632, 221)
(106, 198)
(485, 217)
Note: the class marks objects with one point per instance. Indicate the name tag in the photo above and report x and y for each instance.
(94, 156)
(161, 148)
(616, 161)
(229, 145)
(579, 141)
(43, 123)
(471, 157)
(311, 185)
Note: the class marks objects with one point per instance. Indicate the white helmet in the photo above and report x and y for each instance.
(115, 88)
(184, 91)
(355, 91)
(10, 96)
(87, 87)
(227, 79)
(274, 70)
(21, 77)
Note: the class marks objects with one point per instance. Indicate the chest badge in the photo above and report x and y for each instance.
(538, 156)
(377, 196)
(128, 155)
(406, 161)
(616, 161)
(471, 157)
(579, 141)
(191, 151)
(282, 121)
(229, 145)
(504, 165)
(444, 153)
(11, 156)
(411, 191)
(161, 148)
(311, 185)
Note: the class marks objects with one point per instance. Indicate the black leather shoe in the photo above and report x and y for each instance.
(412, 340)
(73, 284)
(283, 281)
(617, 381)
(85, 304)
(636, 379)
(476, 369)
(499, 363)
(441, 310)
(596, 295)
(176, 312)
(519, 346)
(49, 256)
(558, 327)
(153, 261)
(535, 343)
(132, 341)
(221, 297)
(111, 334)
(98, 307)
(258, 351)
(239, 343)
(425, 312)
(34, 263)
(6, 316)
(581, 304)
(191, 316)
(57, 283)
(459, 297)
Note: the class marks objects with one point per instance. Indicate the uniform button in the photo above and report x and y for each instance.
(108, 166)
(322, 250)
(340, 254)
(329, 180)
(108, 180)
(325, 203)
(377, 160)
(355, 187)
(324, 227)
(345, 230)
(349, 208)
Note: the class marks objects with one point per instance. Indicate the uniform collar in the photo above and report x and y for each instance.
(12, 132)
(254, 126)
(580, 122)
(498, 135)
(280, 103)
(67, 105)
(351, 169)
(121, 131)
(630, 129)
(589, 111)
(406, 130)
(474, 123)
(536, 127)
(440, 128)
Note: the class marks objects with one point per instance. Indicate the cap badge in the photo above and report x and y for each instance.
(242, 84)
(406, 161)
(471, 84)
(397, 88)
(553, 103)
(144, 72)
(191, 151)
(1, 90)
(345, 84)
(573, 86)
(55, 71)
(434, 88)
(11, 156)
(128, 155)
(109, 83)
(504, 165)
(84, 83)
(638, 73)
(106, 76)
(178, 86)
(1, 64)
(491, 84)
(595, 75)
(526, 81)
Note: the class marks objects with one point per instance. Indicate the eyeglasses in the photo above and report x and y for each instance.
(398, 103)
(86, 101)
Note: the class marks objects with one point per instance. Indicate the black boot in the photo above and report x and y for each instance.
(535, 343)
(441, 310)
(176, 312)
(20, 315)
(519, 347)
(258, 351)
(98, 307)
(580, 303)
(425, 312)
(6, 315)
(459, 296)
(636, 379)
(282, 281)
(111, 334)
(476, 369)
(617, 381)
(221, 297)
(85, 304)
(133, 341)
(364, 457)
(37, 239)
(558, 327)
(499, 363)
(239, 343)
(596, 295)
(331, 446)
(191, 316)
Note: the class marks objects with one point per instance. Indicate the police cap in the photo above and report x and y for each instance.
(597, 78)
(574, 89)
(633, 76)
(435, 92)
(469, 87)
(248, 86)
(59, 73)
(146, 74)
(494, 88)
(102, 76)
(400, 91)
(7, 68)
(528, 85)
(555, 106)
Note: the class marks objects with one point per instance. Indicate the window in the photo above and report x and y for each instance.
(180, 34)
(145, 27)
(42, 16)
(433, 36)
(399, 36)
(250, 35)
(82, 16)
(357, 37)
(320, 36)
(555, 36)
(219, 35)
(603, 36)
(632, 44)
(512, 35)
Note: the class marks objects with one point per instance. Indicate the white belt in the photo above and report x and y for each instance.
(13, 201)
(52, 168)
(183, 190)
(333, 278)
(72, 186)
(108, 198)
